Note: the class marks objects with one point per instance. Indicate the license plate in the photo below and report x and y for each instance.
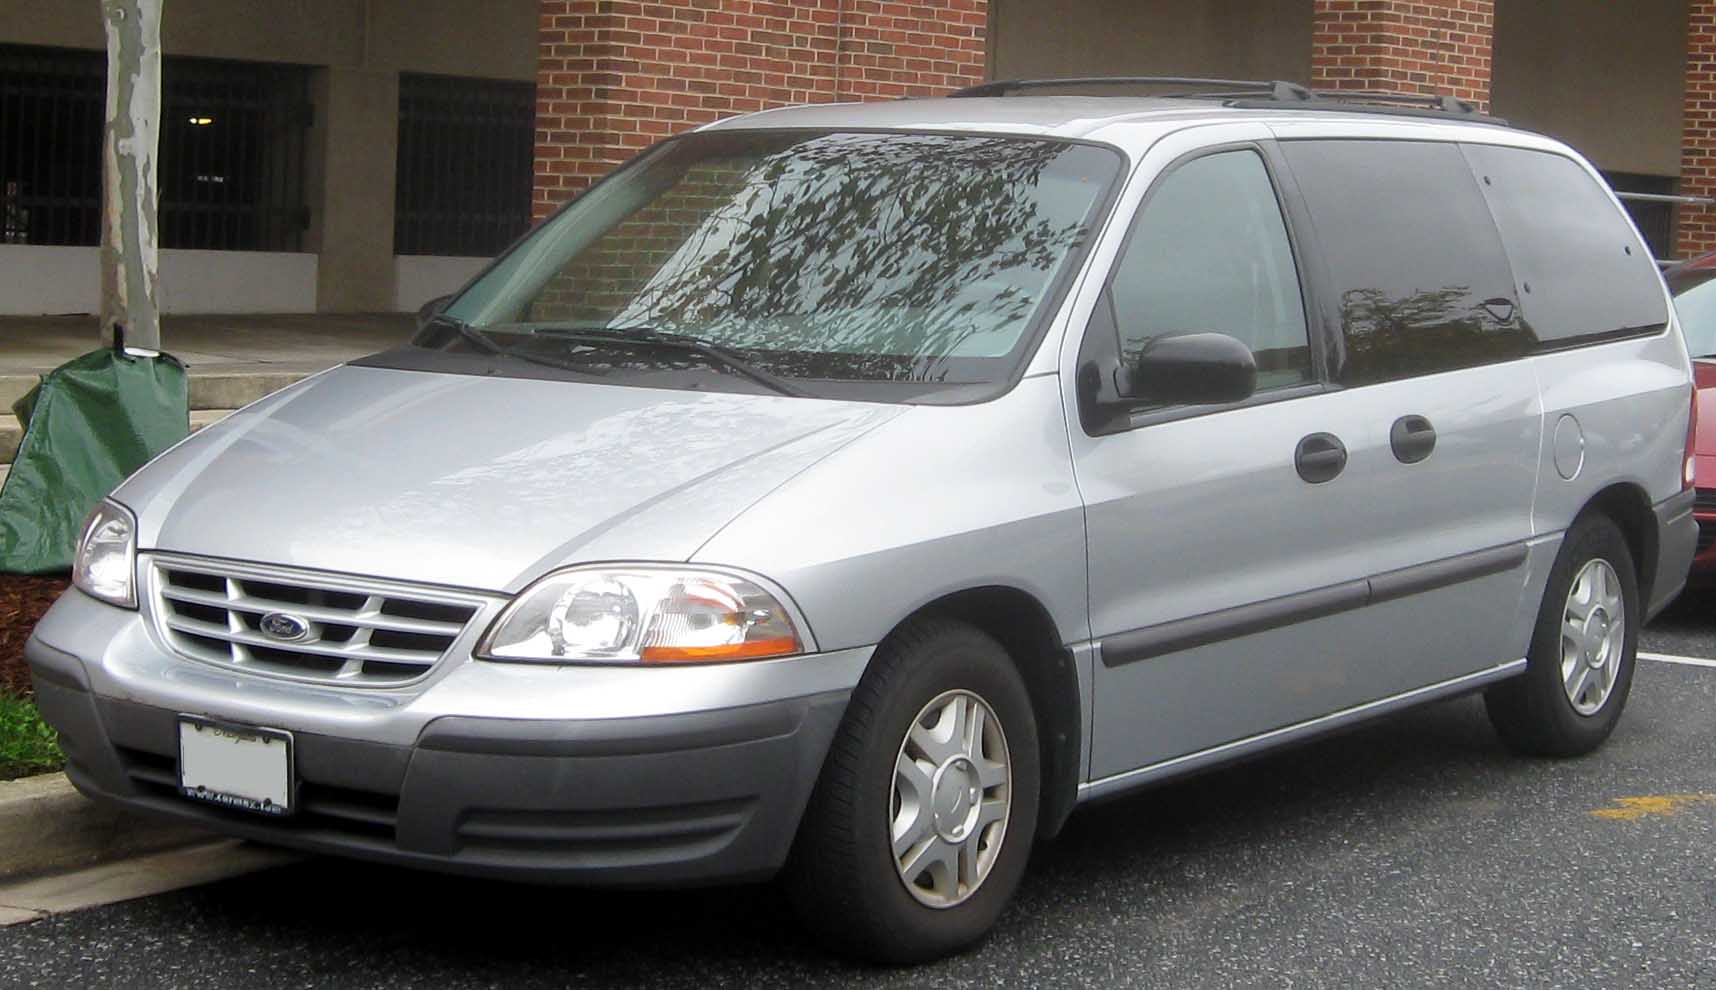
(236, 766)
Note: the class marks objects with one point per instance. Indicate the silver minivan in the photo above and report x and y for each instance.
(850, 492)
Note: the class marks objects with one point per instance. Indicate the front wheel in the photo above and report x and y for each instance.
(1580, 669)
(919, 829)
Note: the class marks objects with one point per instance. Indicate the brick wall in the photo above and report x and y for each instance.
(593, 286)
(614, 76)
(1404, 46)
(1698, 142)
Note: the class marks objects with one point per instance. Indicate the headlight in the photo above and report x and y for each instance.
(641, 614)
(107, 555)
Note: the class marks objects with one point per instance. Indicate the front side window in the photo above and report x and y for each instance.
(886, 266)
(1420, 281)
(1209, 252)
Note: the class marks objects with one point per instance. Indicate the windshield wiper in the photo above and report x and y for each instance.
(488, 346)
(471, 334)
(717, 353)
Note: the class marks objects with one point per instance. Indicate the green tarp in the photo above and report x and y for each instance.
(88, 424)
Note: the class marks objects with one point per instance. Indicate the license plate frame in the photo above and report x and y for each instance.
(243, 767)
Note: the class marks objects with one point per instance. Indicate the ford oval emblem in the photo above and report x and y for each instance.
(285, 626)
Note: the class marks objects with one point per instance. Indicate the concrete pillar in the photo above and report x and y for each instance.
(1439, 47)
(1697, 228)
(613, 78)
(350, 175)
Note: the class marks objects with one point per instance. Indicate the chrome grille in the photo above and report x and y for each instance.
(354, 631)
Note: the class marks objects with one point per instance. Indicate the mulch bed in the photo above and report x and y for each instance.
(22, 602)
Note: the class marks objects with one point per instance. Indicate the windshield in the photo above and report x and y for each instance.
(869, 265)
(1695, 304)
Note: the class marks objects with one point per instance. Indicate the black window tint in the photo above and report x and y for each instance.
(1420, 282)
(1582, 271)
(1209, 251)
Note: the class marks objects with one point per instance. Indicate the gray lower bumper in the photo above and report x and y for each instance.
(1677, 543)
(681, 799)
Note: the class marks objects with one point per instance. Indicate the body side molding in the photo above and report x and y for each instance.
(1242, 620)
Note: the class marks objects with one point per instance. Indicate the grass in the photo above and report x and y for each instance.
(27, 745)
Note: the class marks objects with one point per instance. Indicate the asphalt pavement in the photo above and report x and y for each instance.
(1415, 852)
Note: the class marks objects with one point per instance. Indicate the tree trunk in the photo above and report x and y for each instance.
(130, 315)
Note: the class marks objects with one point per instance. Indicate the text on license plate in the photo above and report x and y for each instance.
(250, 769)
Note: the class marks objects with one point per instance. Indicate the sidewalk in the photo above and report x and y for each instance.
(32, 345)
(233, 360)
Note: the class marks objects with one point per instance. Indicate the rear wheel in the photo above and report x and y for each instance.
(918, 832)
(1580, 669)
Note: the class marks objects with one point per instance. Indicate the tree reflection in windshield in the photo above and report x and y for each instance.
(854, 256)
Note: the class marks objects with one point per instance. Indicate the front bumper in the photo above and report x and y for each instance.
(1704, 515)
(684, 795)
(1704, 560)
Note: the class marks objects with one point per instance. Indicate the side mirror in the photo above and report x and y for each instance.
(1194, 369)
(429, 310)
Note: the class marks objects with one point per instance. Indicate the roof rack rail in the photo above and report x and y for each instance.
(1436, 107)
(1276, 89)
(1256, 95)
(1442, 101)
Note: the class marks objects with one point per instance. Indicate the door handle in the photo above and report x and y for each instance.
(1320, 457)
(1413, 438)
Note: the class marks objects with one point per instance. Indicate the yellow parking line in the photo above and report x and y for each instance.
(1631, 809)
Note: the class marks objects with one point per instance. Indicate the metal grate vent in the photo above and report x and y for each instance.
(464, 172)
(232, 161)
(307, 627)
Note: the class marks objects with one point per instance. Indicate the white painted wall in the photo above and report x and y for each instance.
(43, 281)
(36, 280)
(420, 278)
(238, 282)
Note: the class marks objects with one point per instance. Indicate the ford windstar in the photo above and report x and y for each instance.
(848, 493)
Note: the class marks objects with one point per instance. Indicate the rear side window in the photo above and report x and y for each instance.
(1420, 281)
(1582, 272)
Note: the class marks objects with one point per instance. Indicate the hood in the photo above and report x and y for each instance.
(1704, 379)
(477, 482)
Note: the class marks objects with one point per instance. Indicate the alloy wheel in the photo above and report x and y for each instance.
(951, 799)
(1593, 636)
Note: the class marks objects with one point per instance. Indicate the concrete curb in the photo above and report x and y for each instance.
(46, 826)
(138, 876)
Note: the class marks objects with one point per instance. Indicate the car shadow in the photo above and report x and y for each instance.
(1156, 848)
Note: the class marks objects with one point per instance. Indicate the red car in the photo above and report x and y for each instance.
(1694, 286)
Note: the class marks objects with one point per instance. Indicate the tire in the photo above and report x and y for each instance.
(843, 876)
(1536, 713)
